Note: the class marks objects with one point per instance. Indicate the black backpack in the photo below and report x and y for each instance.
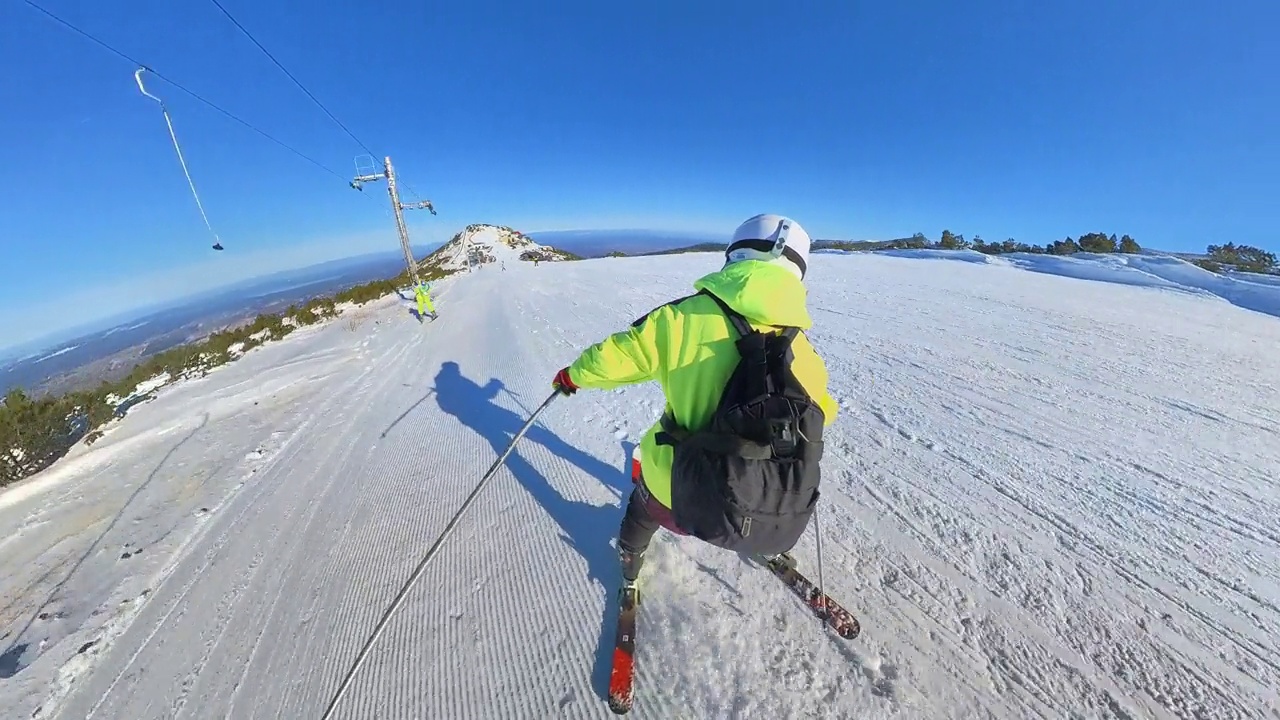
(748, 481)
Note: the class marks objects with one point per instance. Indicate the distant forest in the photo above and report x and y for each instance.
(1218, 258)
(36, 432)
(1089, 243)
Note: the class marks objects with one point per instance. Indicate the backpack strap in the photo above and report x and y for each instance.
(672, 434)
(757, 350)
(735, 318)
(740, 323)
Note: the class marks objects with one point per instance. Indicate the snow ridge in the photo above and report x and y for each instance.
(479, 245)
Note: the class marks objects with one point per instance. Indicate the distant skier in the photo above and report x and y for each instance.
(423, 294)
(734, 458)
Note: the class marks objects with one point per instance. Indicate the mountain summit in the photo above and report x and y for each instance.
(480, 244)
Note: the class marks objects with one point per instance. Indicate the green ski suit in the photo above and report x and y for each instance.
(423, 294)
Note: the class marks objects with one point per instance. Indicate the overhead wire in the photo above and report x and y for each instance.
(192, 93)
(409, 187)
(303, 88)
(288, 74)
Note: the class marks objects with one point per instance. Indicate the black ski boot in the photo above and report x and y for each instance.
(631, 561)
(781, 560)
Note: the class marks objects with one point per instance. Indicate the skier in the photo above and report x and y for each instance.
(423, 294)
(691, 347)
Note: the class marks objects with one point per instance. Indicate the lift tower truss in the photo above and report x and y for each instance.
(389, 174)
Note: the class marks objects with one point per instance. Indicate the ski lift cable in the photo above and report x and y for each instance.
(409, 187)
(192, 93)
(137, 75)
(304, 89)
(288, 74)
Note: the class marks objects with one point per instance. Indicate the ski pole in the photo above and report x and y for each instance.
(422, 564)
(817, 534)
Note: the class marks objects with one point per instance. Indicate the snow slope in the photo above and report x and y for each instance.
(1251, 291)
(1045, 497)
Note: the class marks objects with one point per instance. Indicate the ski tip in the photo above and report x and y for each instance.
(842, 622)
(619, 706)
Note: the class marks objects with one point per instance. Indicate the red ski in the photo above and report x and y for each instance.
(828, 610)
(622, 676)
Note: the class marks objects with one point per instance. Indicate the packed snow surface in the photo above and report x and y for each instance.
(1044, 497)
(1247, 290)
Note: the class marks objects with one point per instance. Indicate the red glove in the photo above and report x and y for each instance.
(564, 383)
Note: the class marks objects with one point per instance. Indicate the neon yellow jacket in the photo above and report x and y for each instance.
(688, 346)
(423, 293)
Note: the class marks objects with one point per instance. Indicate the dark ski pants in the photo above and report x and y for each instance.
(643, 517)
(638, 526)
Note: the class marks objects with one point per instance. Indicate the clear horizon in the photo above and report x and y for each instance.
(103, 318)
(129, 314)
(1035, 122)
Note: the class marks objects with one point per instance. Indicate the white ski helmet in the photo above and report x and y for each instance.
(773, 239)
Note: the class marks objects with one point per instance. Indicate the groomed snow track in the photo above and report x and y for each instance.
(1045, 498)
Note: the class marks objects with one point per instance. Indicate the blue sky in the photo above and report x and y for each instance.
(861, 120)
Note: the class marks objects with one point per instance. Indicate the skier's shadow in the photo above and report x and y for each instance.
(588, 529)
